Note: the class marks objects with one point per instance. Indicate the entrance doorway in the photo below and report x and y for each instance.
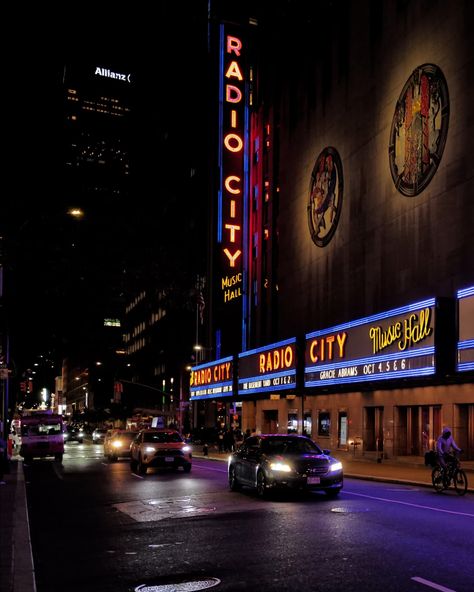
(270, 421)
(373, 430)
(417, 428)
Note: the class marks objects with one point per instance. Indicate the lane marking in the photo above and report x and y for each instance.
(432, 584)
(382, 499)
(137, 476)
(210, 468)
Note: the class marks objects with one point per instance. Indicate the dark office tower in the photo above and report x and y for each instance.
(98, 112)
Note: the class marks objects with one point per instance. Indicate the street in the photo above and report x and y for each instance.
(96, 526)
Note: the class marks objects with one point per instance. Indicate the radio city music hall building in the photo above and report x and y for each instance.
(342, 269)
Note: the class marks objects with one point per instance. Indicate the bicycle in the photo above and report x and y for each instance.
(442, 477)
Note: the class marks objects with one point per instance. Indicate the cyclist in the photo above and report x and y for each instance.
(444, 445)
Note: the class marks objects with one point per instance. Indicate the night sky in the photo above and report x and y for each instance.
(61, 277)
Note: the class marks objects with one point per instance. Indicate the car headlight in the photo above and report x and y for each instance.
(280, 466)
(149, 449)
(116, 443)
(337, 466)
(186, 448)
(81, 434)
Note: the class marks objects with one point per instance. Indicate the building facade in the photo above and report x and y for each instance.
(357, 222)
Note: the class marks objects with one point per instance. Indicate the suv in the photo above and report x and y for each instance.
(159, 448)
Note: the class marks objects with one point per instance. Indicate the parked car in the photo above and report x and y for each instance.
(117, 444)
(74, 434)
(159, 448)
(98, 435)
(271, 461)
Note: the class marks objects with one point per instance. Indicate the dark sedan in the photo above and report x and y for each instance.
(271, 461)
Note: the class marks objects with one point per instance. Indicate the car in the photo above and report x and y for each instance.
(159, 448)
(74, 434)
(98, 435)
(117, 444)
(270, 461)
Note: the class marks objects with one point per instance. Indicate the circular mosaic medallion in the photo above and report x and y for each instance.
(419, 130)
(325, 196)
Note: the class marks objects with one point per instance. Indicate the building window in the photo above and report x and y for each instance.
(324, 423)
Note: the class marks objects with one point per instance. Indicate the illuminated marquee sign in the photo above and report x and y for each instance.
(230, 230)
(212, 380)
(465, 358)
(268, 368)
(393, 344)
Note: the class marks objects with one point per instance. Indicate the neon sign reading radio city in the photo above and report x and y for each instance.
(218, 373)
(233, 153)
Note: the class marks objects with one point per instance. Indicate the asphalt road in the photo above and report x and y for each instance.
(96, 527)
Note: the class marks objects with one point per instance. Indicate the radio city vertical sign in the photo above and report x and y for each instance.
(212, 380)
(465, 348)
(232, 156)
(268, 368)
(395, 344)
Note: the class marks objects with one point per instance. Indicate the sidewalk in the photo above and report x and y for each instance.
(407, 470)
(16, 562)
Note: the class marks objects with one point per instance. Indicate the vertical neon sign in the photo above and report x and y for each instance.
(232, 182)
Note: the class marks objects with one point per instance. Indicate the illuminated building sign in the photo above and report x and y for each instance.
(394, 344)
(465, 359)
(232, 113)
(106, 73)
(268, 368)
(210, 380)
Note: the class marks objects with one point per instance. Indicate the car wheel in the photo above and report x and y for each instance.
(261, 484)
(80, 441)
(141, 466)
(234, 485)
(112, 458)
(133, 466)
(59, 457)
(187, 468)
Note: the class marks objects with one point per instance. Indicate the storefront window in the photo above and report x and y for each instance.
(324, 423)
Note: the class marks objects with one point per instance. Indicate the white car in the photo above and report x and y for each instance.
(159, 448)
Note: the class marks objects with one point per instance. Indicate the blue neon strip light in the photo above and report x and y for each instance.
(267, 347)
(403, 374)
(211, 364)
(465, 366)
(211, 396)
(424, 351)
(466, 292)
(267, 389)
(383, 315)
(468, 344)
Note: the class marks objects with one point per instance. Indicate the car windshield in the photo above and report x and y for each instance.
(161, 437)
(289, 446)
(41, 429)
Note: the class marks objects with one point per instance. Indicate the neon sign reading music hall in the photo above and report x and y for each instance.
(394, 344)
(231, 163)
